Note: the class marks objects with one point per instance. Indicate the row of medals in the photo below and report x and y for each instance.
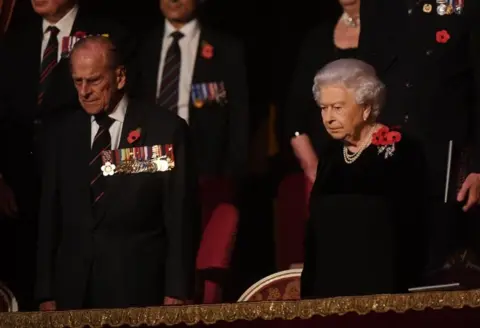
(445, 9)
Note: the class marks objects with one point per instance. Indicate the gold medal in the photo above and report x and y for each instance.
(198, 103)
(427, 8)
(449, 10)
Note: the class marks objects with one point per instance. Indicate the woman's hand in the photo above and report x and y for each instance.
(470, 191)
(305, 153)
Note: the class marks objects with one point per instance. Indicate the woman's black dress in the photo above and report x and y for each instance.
(365, 223)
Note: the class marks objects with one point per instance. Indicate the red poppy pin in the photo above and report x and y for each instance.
(134, 135)
(207, 50)
(442, 36)
(80, 34)
(385, 140)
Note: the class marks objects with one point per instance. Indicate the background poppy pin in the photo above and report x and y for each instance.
(442, 36)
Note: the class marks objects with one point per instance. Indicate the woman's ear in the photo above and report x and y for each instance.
(367, 112)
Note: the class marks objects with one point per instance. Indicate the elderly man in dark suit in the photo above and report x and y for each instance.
(118, 211)
(427, 53)
(36, 90)
(199, 74)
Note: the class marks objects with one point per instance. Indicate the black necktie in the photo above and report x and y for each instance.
(49, 61)
(101, 142)
(168, 95)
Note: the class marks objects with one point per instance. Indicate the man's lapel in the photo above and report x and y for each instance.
(28, 58)
(134, 120)
(151, 58)
(61, 89)
(203, 66)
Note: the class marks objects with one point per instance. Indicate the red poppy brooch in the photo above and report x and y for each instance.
(134, 135)
(442, 36)
(207, 50)
(385, 140)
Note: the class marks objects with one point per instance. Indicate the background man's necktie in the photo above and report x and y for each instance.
(168, 96)
(49, 61)
(101, 142)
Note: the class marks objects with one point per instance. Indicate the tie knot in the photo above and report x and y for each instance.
(177, 35)
(103, 120)
(53, 30)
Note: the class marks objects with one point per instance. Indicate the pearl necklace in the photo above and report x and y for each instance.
(350, 158)
(350, 21)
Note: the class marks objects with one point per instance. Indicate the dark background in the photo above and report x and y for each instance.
(272, 32)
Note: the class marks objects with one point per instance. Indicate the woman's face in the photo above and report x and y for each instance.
(342, 116)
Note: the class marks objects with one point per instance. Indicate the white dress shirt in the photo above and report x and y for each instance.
(64, 26)
(188, 47)
(118, 114)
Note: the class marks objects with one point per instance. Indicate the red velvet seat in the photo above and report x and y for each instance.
(291, 216)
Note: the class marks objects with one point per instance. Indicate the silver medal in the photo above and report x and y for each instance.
(441, 9)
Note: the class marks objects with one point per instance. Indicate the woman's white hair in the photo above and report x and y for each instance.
(356, 75)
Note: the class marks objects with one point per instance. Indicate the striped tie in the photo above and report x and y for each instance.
(101, 142)
(168, 95)
(49, 61)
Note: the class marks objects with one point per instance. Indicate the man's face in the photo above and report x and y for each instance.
(178, 10)
(50, 7)
(97, 84)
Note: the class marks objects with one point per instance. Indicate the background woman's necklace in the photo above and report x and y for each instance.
(350, 21)
(352, 157)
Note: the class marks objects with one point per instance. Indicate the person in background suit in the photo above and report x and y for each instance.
(199, 74)
(117, 228)
(36, 91)
(427, 53)
(334, 39)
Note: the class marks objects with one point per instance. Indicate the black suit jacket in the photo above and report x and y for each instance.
(220, 133)
(21, 116)
(144, 247)
(433, 88)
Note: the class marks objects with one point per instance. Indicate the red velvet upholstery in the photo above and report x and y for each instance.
(213, 259)
(291, 216)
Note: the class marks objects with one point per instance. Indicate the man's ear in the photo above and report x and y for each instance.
(121, 77)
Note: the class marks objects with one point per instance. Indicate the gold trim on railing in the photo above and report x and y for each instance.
(209, 314)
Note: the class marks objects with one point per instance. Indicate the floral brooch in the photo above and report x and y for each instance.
(134, 135)
(385, 140)
(442, 36)
(207, 50)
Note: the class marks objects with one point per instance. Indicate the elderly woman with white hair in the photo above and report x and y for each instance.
(365, 203)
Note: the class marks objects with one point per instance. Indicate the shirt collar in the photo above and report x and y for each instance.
(119, 112)
(189, 30)
(65, 24)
